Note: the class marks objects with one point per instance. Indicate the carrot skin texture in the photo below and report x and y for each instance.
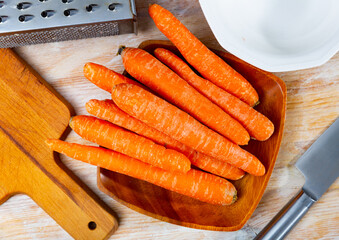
(201, 58)
(158, 77)
(176, 123)
(215, 166)
(258, 126)
(196, 184)
(107, 110)
(113, 137)
(103, 77)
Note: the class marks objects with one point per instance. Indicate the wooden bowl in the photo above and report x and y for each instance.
(175, 208)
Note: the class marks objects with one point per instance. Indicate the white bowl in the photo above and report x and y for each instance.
(276, 35)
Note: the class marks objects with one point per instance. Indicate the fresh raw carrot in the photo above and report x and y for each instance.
(103, 77)
(107, 110)
(257, 125)
(113, 137)
(208, 64)
(176, 123)
(215, 166)
(196, 184)
(151, 72)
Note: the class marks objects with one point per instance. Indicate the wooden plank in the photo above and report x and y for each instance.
(30, 113)
(312, 105)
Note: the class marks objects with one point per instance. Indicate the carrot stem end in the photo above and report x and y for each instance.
(121, 49)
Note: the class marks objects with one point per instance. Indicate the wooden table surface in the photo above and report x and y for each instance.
(312, 105)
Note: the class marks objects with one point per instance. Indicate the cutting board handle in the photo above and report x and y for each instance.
(32, 111)
(72, 207)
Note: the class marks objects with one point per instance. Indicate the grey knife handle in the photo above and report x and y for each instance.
(287, 218)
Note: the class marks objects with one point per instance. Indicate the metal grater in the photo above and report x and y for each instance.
(41, 21)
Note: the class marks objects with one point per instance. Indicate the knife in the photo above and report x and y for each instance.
(320, 167)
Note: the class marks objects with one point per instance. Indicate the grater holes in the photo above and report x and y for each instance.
(91, 7)
(66, 1)
(47, 13)
(70, 12)
(2, 4)
(25, 18)
(114, 6)
(3, 19)
(40, 19)
(23, 5)
(43, 0)
(22, 18)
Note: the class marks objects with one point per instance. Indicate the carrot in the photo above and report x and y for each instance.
(215, 166)
(208, 64)
(107, 110)
(113, 137)
(176, 123)
(151, 72)
(257, 125)
(103, 77)
(196, 184)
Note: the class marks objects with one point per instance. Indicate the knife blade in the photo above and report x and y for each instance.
(320, 167)
(320, 163)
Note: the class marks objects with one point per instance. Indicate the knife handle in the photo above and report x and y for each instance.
(287, 218)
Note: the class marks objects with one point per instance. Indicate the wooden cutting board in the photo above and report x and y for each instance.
(31, 112)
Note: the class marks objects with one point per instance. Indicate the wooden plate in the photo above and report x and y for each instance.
(175, 208)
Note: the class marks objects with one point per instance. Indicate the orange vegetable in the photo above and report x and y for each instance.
(215, 166)
(113, 137)
(257, 125)
(208, 64)
(151, 72)
(107, 110)
(195, 184)
(176, 123)
(103, 77)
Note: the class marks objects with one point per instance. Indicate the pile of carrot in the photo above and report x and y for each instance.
(169, 118)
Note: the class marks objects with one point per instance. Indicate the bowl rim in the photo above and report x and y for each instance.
(268, 63)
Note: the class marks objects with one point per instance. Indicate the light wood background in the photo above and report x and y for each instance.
(312, 105)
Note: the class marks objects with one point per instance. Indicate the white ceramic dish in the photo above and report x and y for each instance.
(276, 35)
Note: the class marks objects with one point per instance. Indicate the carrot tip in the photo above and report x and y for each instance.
(49, 142)
(257, 103)
(70, 122)
(235, 197)
(121, 49)
(114, 87)
(239, 177)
